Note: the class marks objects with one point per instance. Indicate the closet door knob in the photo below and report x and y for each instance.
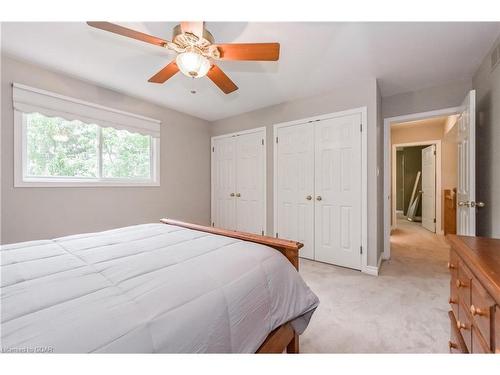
(238, 195)
(231, 195)
(318, 198)
(309, 197)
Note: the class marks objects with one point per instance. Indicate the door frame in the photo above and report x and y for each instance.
(364, 172)
(387, 198)
(437, 186)
(262, 129)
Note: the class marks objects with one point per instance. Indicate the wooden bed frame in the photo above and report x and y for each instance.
(284, 337)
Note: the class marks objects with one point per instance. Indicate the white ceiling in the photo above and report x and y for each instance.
(315, 58)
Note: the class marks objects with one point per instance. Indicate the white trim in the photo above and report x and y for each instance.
(242, 132)
(438, 203)
(262, 130)
(387, 163)
(374, 270)
(20, 180)
(29, 99)
(364, 172)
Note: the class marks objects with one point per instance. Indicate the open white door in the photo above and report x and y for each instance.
(466, 190)
(429, 188)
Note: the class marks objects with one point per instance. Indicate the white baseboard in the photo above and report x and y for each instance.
(373, 270)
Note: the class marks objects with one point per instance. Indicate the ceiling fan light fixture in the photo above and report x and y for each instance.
(193, 64)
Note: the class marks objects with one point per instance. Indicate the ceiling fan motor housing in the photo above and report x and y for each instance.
(185, 41)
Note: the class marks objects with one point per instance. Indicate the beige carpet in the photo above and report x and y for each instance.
(403, 310)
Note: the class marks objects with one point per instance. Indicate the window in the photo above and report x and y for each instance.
(61, 149)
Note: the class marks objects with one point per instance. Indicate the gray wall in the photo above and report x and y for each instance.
(356, 95)
(427, 99)
(35, 213)
(487, 86)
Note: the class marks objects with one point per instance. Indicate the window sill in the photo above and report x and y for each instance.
(41, 182)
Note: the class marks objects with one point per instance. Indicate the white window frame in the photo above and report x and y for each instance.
(20, 154)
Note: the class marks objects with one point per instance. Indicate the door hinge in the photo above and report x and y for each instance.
(276, 139)
(276, 234)
(262, 141)
(262, 232)
(361, 249)
(434, 219)
(360, 127)
(213, 224)
(213, 149)
(434, 152)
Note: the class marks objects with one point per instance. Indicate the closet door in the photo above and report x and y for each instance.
(295, 186)
(250, 182)
(338, 191)
(224, 183)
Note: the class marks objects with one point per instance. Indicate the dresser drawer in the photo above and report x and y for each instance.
(453, 268)
(497, 330)
(482, 311)
(456, 343)
(464, 325)
(453, 300)
(453, 263)
(479, 345)
(463, 284)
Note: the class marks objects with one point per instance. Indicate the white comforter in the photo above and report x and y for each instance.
(147, 288)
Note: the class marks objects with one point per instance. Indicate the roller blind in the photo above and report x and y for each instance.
(28, 99)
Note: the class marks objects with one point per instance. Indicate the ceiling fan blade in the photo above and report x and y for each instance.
(167, 72)
(221, 79)
(250, 51)
(120, 30)
(195, 28)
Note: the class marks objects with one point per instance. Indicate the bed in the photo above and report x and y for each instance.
(169, 287)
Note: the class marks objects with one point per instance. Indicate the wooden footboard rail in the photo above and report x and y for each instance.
(284, 337)
(290, 249)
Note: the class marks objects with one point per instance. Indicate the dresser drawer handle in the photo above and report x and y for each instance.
(452, 345)
(461, 325)
(451, 301)
(460, 284)
(476, 311)
(451, 266)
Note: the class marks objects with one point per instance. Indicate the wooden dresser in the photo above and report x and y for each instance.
(474, 294)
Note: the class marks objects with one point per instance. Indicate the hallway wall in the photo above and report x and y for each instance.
(486, 82)
(442, 129)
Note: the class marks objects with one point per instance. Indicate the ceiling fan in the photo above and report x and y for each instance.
(196, 52)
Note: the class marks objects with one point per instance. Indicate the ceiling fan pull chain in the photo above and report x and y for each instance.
(193, 86)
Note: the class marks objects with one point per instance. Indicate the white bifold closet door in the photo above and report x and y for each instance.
(338, 191)
(238, 182)
(295, 186)
(318, 188)
(224, 183)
